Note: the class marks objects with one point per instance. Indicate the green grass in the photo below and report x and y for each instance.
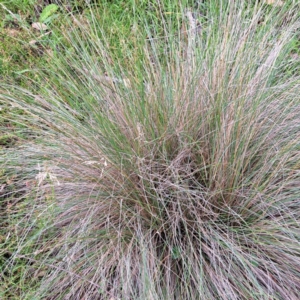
(154, 154)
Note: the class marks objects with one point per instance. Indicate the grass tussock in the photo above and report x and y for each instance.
(170, 171)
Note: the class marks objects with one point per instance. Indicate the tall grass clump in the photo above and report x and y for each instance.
(165, 169)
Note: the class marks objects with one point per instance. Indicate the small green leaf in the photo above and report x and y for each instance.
(48, 11)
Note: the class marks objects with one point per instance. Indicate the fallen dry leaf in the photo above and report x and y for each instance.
(39, 26)
(32, 42)
(2, 186)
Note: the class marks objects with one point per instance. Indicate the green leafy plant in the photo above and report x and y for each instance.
(164, 170)
(48, 13)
